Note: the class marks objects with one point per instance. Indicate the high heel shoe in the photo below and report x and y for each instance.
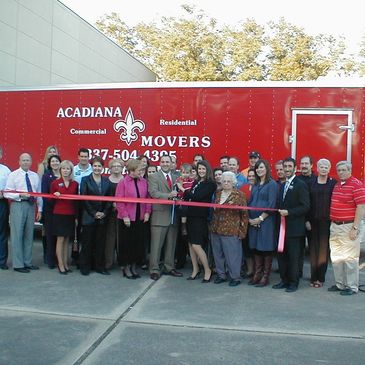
(128, 276)
(193, 277)
(204, 281)
(61, 272)
(68, 270)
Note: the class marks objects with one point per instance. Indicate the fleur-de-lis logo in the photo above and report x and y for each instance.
(129, 126)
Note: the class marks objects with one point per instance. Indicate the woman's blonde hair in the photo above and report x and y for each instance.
(68, 163)
(46, 157)
(117, 160)
(133, 164)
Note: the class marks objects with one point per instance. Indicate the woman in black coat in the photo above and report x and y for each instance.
(94, 219)
(197, 222)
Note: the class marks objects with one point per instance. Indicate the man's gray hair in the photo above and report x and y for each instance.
(346, 163)
(231, 175)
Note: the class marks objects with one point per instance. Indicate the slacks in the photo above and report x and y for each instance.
(160, 236)
(289, 261)
(227, 250)
(4, 224)
(345, 255)
(21, 232)
(93, 248)
(111, 239)
(50, 238)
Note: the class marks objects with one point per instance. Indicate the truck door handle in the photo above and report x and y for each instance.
(348, 127)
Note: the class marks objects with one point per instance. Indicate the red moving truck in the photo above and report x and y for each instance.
(278, 119)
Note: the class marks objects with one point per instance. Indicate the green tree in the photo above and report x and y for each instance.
(194, 47)
(295, 55)
(243, 48)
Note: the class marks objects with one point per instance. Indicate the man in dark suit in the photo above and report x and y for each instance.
(293, 204)
(163, 225)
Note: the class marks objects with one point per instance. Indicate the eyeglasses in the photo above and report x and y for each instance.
(117, 166)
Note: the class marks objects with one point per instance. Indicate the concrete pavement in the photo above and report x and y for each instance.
(47, 318)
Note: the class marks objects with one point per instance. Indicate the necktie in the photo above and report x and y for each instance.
(29, 187)
(169, 182)
(286, 187)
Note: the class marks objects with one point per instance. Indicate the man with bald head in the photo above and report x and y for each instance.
(22, 213)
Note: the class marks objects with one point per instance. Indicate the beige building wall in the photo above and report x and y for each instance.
(42, 42)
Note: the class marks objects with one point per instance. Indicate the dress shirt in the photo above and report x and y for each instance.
(80, 173)
(16, 181)
(241, 180)
(4, 173)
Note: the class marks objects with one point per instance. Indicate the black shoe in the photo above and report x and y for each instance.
(291, 289)
(32, 267)
(334, 288)
(51, 267)
(191, 277)
(174, 273)
(4, 267)
(135, 274)
(22, 270)
(62, 272)
(85, 273)
(103, 272)
(280, 285)
(219, 280)
(205, 281)
(234, 282)
(68, 270)
(131, 276)
(348, 291)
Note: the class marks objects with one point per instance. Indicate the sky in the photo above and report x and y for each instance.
(335, 17)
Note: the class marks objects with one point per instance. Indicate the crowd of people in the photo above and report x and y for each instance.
(234, 239)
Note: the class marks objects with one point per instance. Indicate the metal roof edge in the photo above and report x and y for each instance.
(360, 83)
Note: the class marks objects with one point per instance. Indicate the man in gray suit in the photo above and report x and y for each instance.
(163, 226)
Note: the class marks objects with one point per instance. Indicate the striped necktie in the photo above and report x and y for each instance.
(286, 187)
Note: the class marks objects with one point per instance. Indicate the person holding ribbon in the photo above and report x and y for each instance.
(22, 212)
(132, 217)
(64, 213)
(94, 215)
(262, 236)
(163, 221)
(228, 227)
(294, 203)
(197, 223)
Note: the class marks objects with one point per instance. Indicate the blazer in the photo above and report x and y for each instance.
(126, 189)
(297, 203)
(158, 189)
(200, 192)
(89, 187)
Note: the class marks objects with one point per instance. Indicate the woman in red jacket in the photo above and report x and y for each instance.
(64, 213)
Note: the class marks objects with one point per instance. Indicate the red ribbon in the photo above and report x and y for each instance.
(158, 201)
(282, 234)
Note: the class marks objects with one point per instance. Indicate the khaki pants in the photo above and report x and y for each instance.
(345, 256)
